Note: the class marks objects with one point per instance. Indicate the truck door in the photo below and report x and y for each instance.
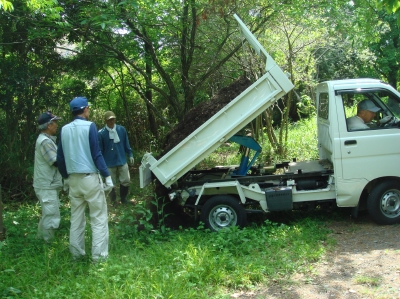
(374, 152)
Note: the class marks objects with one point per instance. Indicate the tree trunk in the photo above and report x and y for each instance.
(149, 93)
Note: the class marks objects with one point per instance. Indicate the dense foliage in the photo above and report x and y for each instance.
(151, 61)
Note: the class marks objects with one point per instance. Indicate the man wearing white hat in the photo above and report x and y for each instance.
(47, 180)
(114, 145)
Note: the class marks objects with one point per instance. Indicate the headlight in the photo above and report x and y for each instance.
(172, 196)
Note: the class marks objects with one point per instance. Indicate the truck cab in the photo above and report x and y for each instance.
(365, 161)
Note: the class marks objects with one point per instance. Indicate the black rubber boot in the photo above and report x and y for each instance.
(123, 193)
(113, 196)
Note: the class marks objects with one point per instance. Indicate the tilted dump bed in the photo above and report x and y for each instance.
(224, 124)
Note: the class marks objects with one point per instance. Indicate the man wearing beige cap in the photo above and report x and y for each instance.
(114, 145)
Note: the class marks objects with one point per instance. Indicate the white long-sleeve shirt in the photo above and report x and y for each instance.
(356, 123)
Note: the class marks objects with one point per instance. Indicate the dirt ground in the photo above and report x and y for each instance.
(364, 263)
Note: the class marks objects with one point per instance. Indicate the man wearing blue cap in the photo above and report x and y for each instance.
(47, 180)
(81, 164)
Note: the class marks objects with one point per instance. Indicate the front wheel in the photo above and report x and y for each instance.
(223, 211)
(384, 203)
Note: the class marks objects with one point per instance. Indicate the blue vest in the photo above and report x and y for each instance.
(76, 147)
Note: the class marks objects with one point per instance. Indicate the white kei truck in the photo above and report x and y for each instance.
(358, 169)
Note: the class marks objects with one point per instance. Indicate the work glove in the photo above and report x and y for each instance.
(385, 119)
(66, 185)
(108, 185)
(131, 160)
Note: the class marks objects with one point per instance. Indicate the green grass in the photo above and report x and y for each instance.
(367, 280)
(162, 263)
(302, 145)
(302, 142)
(186, 263)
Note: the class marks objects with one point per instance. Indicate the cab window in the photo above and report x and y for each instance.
(388, 102)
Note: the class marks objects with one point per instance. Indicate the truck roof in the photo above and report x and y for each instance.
(352, 83)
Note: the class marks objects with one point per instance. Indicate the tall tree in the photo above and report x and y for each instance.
(386, 47)
(380, 31)
(171, 49)
(30, 68)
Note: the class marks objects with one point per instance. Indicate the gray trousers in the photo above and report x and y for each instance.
(50, 221)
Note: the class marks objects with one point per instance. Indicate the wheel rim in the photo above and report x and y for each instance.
(390, 203)
(222, 216)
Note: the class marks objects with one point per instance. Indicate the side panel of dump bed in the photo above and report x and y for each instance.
(218, 129)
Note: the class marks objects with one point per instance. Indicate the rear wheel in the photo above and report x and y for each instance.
(384, 203)
(223, 211)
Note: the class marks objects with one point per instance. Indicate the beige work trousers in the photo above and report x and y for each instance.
(120, 174)
(87, 190)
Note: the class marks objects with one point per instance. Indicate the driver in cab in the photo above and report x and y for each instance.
(366, 111)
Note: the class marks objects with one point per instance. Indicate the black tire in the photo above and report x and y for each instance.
(223, 211)
(384, 203)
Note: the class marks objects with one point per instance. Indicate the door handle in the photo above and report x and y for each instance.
(350, 142)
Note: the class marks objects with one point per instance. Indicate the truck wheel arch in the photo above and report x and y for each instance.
(362, 204)
(223, 211)
(383, 202)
